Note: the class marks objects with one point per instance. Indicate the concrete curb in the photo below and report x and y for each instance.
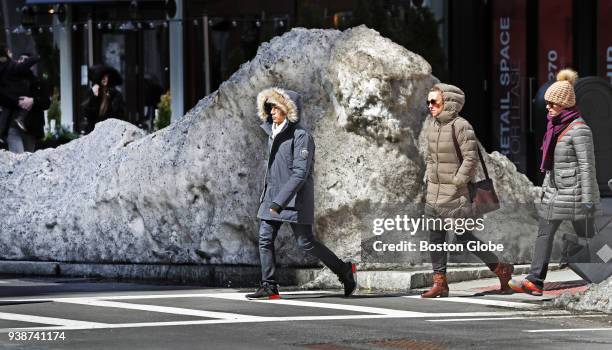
(406, 280)
(399, 281)
(208, 275)
(237, 276)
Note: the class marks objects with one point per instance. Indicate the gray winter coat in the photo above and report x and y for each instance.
(572, 181)
(288, 181)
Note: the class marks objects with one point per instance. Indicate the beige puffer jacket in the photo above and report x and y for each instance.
(447, 190)
(573, 180)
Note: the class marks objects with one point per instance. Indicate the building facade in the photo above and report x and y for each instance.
(499, 52)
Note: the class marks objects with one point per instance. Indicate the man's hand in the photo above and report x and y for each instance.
(26, 102)
(95, 89)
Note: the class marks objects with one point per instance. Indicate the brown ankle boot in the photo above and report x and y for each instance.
(504, 273)
(440, 287)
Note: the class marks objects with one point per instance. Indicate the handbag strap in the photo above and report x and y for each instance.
(460, 156)
(567, 129)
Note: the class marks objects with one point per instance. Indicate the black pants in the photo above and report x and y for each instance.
(544, 244)
(8, 115)
(303, 234)
(439, 258)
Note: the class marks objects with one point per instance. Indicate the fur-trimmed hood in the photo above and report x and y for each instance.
(287, 100)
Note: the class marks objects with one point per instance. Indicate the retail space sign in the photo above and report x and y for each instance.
(604, 40)
(554, 38)
(509, 87)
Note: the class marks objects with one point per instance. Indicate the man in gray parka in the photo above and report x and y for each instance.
(288, 193)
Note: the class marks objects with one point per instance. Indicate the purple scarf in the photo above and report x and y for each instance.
(554, 128)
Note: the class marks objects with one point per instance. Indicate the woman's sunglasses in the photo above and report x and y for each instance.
(552, 105)
(433, 102)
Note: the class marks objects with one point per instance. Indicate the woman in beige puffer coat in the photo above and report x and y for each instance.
(447, 181)
(570, 190)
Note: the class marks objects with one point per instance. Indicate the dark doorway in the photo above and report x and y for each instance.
(594, 98)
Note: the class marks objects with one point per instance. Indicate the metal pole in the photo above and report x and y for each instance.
(90, 54)
(7, 24)
(176, 62)
(66, 90)
(206, 56)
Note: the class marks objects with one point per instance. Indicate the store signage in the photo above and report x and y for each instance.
(509, 79)
(604, 42)
(554, 38)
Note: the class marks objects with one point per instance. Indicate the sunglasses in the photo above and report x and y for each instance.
(433, 102)
(552, 105)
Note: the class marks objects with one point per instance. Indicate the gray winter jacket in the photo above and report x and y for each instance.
(288, 181)
(573, 181)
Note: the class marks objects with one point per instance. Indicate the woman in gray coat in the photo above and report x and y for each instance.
(570, 190)
(288, 192)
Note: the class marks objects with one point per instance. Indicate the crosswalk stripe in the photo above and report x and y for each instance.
(199, 322)
(479, 301)
(46, 320)
(246, 320)
(160, 309)
(605, 329)
(345, 307)
(233, 296)
(514, 318)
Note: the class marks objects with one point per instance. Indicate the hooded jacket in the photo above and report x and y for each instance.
(91, 107)
(288, 181)
(39, 91)
(13, 80)
(447, 179)
(572, 182)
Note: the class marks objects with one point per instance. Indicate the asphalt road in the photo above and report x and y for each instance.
(85, 314)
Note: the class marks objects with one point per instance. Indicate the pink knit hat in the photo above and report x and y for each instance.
(561, 92)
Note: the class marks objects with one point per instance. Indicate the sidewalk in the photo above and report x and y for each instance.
(557, 282)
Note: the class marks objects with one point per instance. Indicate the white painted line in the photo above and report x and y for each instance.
(241, 297)
(202, 322)
(232, 296)
(608, 329)
(227, 321)
(161, 309)
(344, 307)
(480, 301)
(47, 320)
(497, 313)
(514, 318)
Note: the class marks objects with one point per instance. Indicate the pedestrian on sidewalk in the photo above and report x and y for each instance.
(288, 193)
(14, 87)
(104, 100)
(569, 190)
(447, 182)
(35, 103)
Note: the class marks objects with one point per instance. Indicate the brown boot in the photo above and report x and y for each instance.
(504, 273)
(440, 287)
